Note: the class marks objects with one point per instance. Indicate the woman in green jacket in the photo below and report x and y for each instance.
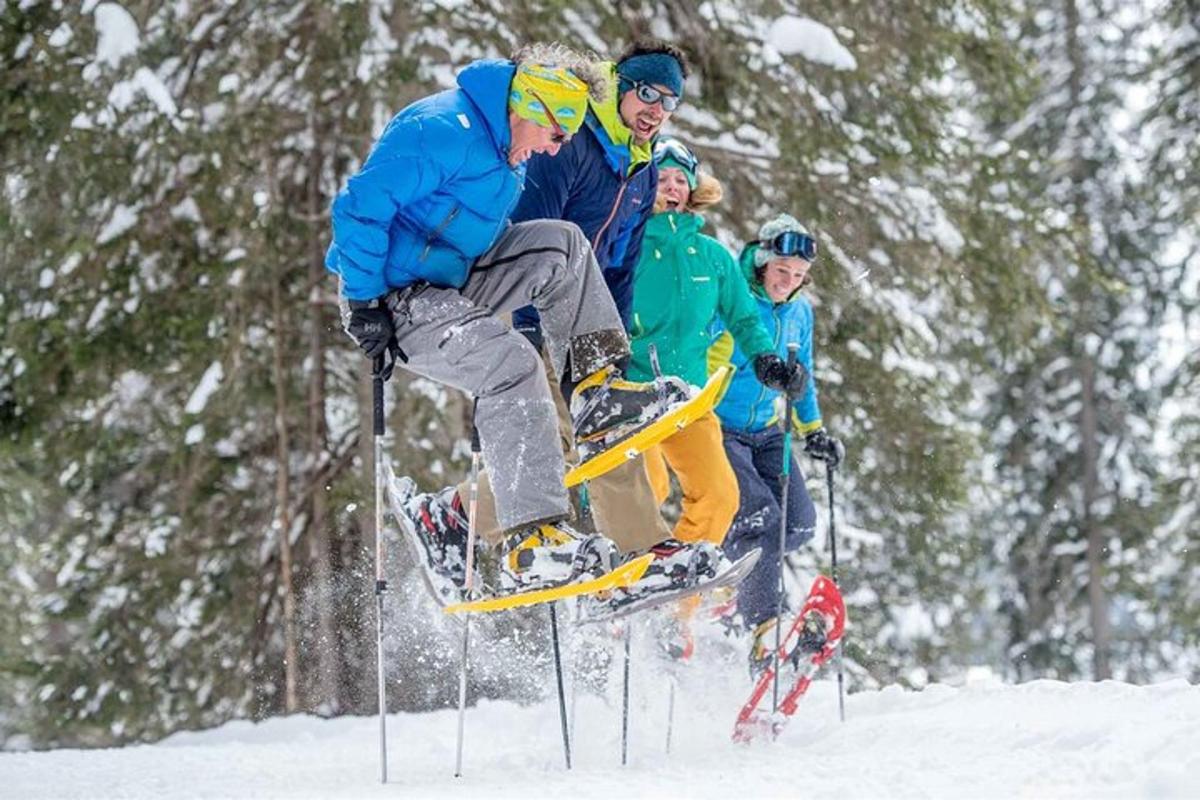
(684, 279)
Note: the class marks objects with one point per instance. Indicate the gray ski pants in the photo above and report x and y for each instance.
(453, 336)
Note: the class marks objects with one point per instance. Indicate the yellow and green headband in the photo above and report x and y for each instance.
(556, 87)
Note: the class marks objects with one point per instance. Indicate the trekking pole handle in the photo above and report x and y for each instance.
(792, 357)
(377, 380)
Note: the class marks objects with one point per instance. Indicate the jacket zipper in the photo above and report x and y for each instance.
(429, 240)
(612, 213)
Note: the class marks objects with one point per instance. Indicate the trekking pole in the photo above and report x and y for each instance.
(562, 701)
(670, 715)
(785, 478)
(829, 470)
(625, 703)
(468, 586)
(380, 582)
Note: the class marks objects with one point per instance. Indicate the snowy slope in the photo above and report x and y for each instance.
(1041, 739)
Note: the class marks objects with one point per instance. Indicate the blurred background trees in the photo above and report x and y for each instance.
(1006, 201)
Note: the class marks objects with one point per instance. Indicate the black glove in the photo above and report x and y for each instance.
(772, 371)
(371, 326)
(823, 447)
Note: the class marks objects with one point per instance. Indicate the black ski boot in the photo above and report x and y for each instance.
(553, 554)
(605, 407)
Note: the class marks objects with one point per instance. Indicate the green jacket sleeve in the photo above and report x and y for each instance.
(737, 307)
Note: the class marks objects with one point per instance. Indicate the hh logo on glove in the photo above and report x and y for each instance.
(371, 327)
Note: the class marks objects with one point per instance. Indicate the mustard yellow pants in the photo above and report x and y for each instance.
(710, 489)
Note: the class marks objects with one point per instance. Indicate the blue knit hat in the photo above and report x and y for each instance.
(651, 68)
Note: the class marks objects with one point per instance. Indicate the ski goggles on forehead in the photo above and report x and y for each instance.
(794, 243)
(649, 95)
(677, 152)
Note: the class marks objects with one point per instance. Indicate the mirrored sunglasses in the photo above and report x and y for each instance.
(649, 95)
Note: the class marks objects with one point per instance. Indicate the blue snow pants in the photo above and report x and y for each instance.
(757, 460)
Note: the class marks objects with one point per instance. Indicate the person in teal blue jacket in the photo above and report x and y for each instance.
(776, 267)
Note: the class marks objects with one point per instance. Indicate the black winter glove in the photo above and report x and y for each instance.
(772, 371)
(823, 447)
(371, 326)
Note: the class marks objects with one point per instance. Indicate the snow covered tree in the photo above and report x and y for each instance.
(1075, 415)
(1169, 612)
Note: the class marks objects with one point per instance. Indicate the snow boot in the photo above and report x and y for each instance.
(762, 648)
(552, 554)
(812, 637)
(676, 566)
(605, 407)
(437, 524)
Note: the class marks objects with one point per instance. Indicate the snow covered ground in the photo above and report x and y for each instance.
(1041, 739)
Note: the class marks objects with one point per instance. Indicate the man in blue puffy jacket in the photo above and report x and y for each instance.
(426, 256)
(605, 181)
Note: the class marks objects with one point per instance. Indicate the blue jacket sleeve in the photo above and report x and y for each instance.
(548, 184)
(806, 408)
(398, 172)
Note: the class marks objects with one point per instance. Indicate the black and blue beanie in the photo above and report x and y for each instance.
(660, 69)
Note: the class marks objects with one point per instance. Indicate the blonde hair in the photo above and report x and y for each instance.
(708, 192)
(584, 65)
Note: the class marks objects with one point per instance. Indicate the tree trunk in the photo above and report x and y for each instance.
(283, 514)
(1096, 544)
(1089, 447)
(328, 679)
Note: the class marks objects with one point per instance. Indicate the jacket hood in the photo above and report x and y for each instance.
(486, 84)
(746, 261)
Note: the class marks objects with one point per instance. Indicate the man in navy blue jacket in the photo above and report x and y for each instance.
(604, 180)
